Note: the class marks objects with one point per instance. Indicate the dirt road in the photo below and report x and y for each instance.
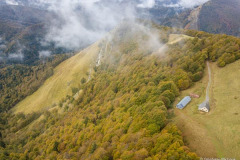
(209, 82)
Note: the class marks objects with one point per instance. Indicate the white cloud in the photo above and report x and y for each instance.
(16, 56)
(146, 4)
(83, 22)
(190, 3)
(187, 3)
(11, 2)
(43, 54)
(3, 46)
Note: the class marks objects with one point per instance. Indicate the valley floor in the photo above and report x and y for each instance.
(214, 134)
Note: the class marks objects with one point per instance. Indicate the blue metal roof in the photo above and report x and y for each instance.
(183, 103)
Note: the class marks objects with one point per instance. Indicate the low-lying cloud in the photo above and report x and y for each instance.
(80, 23)
(146, 4)
(19, 54)
(11, 2)
(3, 46)
(16, 56)
(44, 54)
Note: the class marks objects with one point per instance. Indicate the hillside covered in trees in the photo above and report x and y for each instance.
(18, 80)
(123, 112)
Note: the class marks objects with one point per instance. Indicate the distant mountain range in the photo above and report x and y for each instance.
(221, 16)
(22, 30)
(215, 16)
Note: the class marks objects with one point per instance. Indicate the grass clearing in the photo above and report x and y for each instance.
(214, 134)
(66, 76)
(175, 38)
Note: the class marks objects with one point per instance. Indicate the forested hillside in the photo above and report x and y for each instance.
(18, 81)
(123, 111)
(22, 33)
(220, 16)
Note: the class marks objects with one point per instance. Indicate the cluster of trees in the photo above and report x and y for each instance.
(18, 81)
(222, 49)
(122, 113)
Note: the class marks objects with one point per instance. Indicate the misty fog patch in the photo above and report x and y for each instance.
(80, 23)
(146, 4)
(16, 56)
(11, 2)
(2, 46)
(44, 54)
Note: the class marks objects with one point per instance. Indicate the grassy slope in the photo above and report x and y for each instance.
(175, 38)
(215, 134)
(66, 76)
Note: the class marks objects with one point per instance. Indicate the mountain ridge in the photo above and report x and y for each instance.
(215, 16)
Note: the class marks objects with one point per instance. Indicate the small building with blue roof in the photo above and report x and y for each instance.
(184, 102)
